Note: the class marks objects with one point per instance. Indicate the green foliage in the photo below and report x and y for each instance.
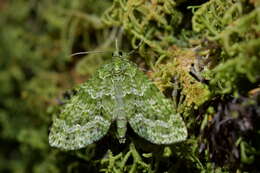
(241, 42)
(213, 16)
(202, 54)
(150, 22)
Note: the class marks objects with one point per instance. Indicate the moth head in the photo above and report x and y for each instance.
(118, 53)
(119, 64)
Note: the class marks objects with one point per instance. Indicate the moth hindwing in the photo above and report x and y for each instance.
(118, 92)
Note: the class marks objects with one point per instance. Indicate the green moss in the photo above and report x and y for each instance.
(217, 38)
(152, 22)
(193, 93)
(235, 74)
(214, 16)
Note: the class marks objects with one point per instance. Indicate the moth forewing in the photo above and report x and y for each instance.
(119, 92)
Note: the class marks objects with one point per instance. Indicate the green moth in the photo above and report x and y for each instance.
(119, 92)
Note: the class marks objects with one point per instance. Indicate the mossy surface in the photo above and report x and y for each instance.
(204, 55)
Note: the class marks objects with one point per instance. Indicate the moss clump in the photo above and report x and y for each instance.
(176, 75)
(204, 54)
(151, 22)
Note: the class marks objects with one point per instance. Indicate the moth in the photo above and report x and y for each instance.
(117, 93)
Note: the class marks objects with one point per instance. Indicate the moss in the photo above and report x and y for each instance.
(202, 54)
(214, 16)
(193, 92)
(150, 22)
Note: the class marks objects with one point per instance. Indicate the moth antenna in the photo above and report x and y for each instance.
(117, 51)
(116, 42)
(87, 52)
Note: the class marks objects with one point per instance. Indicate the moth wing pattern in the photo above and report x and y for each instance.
(81, 121)
(154, 117)
(118, 91)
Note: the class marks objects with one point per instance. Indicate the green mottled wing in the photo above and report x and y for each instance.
(119, 92)
(154, 118)
(82, 120)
